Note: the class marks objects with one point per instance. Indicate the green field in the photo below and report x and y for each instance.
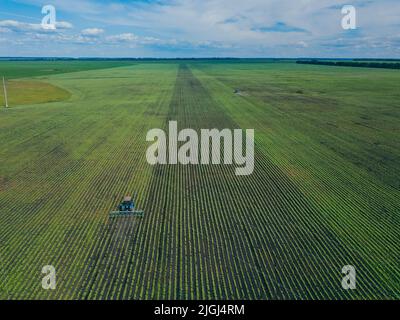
(21, 92)
(325, 191)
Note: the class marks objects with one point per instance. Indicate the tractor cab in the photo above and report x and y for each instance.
(127, 204)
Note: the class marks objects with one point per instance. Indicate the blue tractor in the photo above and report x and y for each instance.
(126, 208)
(127, 204)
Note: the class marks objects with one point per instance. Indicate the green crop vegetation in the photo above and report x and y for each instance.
(32, 92)
(22, 69)
(324, 192)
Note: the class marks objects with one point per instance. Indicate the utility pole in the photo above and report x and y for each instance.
(5, 92)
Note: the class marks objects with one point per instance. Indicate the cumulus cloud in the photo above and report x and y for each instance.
(249, 28)
(92, 32)
(258, 23)
(123, 37)
(64, 25)
(17, 26)
(13, 25)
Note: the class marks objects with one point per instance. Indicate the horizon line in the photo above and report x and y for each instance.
(191, 58)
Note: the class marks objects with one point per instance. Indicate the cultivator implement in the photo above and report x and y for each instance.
(136, 213)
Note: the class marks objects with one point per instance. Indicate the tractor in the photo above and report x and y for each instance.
(126, 208)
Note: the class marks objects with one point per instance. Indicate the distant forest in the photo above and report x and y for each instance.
(373, 63)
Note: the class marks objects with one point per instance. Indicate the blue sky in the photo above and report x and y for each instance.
(200, 28)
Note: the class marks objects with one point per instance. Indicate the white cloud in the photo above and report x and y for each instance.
(246, 23)
(64, 25)
(17, 26)
(302, 44)
(92, 32)
(123, 37)
(244, 27)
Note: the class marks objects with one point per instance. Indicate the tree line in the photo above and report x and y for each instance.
(369, 64)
